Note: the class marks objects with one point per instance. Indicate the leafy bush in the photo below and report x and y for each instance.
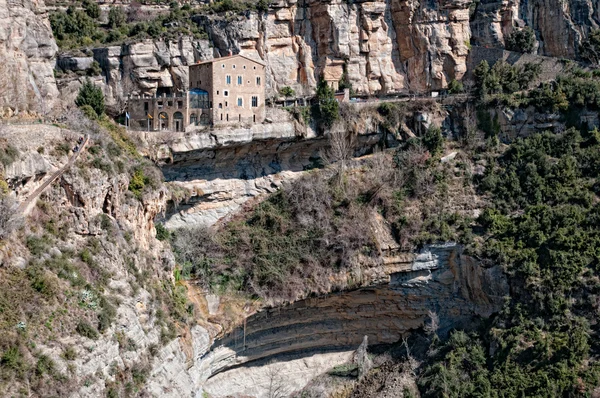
(328, 109)
(287, 91)
(87, 330)
(92, 9)
(116, 17)
(589, 50)
(12, 359)
(455, 87)
(8, 154)
(162, 233)
(92, 96)
(44, 365)
(541, 226)
(138, 182)
(522, 40)
(433, 140)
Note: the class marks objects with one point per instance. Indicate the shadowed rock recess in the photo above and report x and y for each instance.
(440, 279)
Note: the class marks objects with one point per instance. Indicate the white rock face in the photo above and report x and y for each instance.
(283, 376)
(27, 51)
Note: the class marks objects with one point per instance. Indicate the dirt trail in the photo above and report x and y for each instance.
(25, 207)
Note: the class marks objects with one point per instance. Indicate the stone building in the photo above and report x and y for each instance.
(225, 91)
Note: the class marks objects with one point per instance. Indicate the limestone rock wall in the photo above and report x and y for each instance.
(27, 51)
(378, 47)
(440, 279)
(559, 25)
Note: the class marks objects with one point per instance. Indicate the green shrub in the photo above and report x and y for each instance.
(455, 87)
(92, 96)
(69, 354)
(12, 359)
(8, 155)
(433, 140)
(107, 315)
(44, 365)
(589, 50)
(116, 17)
(287, 91)
(522, 40)
(87, 330)
(138, 182)
(91, 8)
(162, 233)
(37, 245)
(328, 109)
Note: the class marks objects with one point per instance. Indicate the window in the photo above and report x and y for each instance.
(254, 101)
(244, 66)
(255, 67)
(221, 116)
(220, 105)
(217, 92)
(228, 79)
(169, 103)
(258, 81)
(179, 104)
(227, 117)
(226, 104)
(199, 82)
(160, 104)
(226, 93)
(240, 101)
(254, 118)
(222, 65)
(239, 118)
(239, 80)
(233, 66)
(146, 106)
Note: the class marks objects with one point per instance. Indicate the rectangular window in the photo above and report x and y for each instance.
(240, 102)
(169, 103)
(228, 79)
(226, 93)
(239, 80)
(254, 101)
(160, 104)
(258, 81)
(179, 104)
(146, 106)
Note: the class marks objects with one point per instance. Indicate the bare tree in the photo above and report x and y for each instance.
(339, 151)
(276, 387)
(434, 323)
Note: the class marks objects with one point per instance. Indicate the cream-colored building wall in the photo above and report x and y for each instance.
(243, 85)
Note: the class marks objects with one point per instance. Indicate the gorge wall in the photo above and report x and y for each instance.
(439, 280)
(27, 52)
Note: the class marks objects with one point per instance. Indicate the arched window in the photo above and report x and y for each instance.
(204, 119)
(194, 119)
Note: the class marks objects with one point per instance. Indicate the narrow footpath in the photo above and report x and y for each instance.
(26, 206)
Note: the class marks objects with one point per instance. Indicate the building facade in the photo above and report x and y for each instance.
(225, 91)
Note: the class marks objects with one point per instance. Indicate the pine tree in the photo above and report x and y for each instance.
(92, 96)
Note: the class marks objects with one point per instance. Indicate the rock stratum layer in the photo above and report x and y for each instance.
(439, 280)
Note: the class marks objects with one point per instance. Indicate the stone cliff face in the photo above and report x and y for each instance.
(439, 280)
(27, 51)
(378, 47)
(559, 25)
